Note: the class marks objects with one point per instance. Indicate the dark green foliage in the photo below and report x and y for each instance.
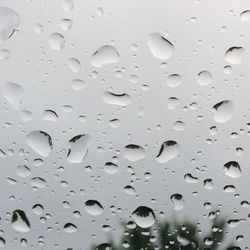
(172, 235)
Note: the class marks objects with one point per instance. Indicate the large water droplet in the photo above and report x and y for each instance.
(19, 221)
(245, 16)
(38, 182)
(40, 142)
(110, 168)
(78, 148)
(174, 80)
(105, 55)
(234, 55)
(223, 111)
(144, 217)
(168, 151)
(70, 228)
(134, 152)
(37, 209)
(160, 47)
(9, 22)
(56, 41)
(232, 169)
(204, 78)
(13, 93)
(178, 201)
(23, 171)
(74, 65)
(93, 207)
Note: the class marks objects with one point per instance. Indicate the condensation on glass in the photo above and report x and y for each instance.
(124, 124)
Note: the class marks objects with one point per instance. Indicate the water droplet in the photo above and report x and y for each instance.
(38, 182)
(223, 111)
(2, 242)
(169, 150)
(37, 209)
(129, 190)
(13, 93)
(134, 152)
(178, 201)
(56, 41)
(204, 78)
(114, 123)
(50, 115)
(78, 148)
(234, 55)
(23, 171)
(105, 55)
(19, 221)
(232, 169)
(104, 246)
(245, 16)
(70, 228)
(78, 84)
(66, 24)
(173, 102)
(144, 217)
(190, 178)
(68, 5)
(9, 22)
(116, 99)
(74, 65)
(179, 126)
(4, 54)
(174, 80)
(160, 47)
(40, 142)
(110, 168)
(93, 207)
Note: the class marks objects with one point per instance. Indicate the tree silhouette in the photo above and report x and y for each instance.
(171, 235)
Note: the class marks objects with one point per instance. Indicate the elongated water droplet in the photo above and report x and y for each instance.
(160, 47)
(169, 150)
(223, 111)
(40, 142)
(74, 65)
(19, 221)
(13, 92)
(38, 182)
(23, 171)
(9, 22)
(78, 148)
(178, 201)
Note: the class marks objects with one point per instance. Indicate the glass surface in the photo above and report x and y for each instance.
(124, 124)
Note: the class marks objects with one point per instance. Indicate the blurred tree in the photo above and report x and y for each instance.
(171, 235)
